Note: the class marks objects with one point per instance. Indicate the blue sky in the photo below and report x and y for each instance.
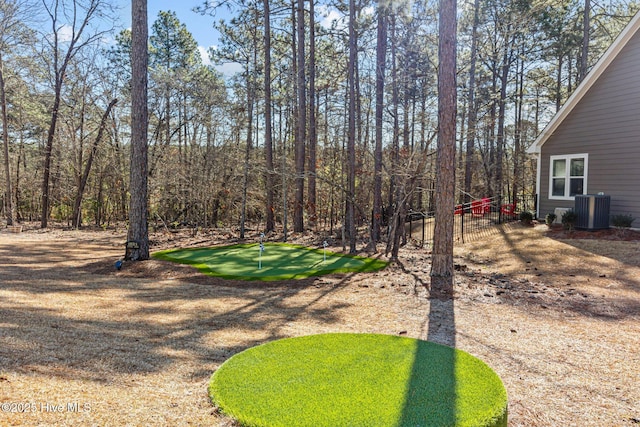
(201, 27)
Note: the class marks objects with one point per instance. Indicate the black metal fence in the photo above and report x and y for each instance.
(472, 221)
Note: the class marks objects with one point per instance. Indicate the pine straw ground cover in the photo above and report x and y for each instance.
(84, 344)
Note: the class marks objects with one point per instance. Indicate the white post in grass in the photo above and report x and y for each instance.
(261, 250)
(324, 251)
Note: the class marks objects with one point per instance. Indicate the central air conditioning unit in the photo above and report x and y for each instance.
(592, 211)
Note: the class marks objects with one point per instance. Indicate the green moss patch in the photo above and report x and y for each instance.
(358, 380)
(278, 261)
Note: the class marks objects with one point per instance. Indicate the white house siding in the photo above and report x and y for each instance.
(605, 124)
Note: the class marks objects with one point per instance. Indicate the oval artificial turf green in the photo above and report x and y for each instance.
(365, 380)
(278, 261)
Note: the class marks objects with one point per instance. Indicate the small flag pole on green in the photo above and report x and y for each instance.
(324, 251)
(261, 250)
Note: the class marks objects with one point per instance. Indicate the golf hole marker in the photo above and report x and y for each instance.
(261, 250)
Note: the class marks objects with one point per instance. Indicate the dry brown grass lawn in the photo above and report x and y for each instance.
(557, 319)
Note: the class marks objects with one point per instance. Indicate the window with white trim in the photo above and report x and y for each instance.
(568, 176)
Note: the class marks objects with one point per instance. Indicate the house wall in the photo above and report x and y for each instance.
(605, 124)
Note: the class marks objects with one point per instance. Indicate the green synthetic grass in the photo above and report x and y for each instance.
(279, 261)
(364, 380)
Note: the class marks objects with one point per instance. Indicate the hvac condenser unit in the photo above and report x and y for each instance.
(592, 211)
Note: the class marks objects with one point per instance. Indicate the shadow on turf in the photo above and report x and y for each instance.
(441, 330)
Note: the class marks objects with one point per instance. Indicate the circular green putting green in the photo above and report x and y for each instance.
(277, 261)
(358, 380)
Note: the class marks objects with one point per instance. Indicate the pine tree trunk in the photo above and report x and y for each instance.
(138, 235)
(249, 144)
(313, 133)
(517, 136)
(48, 151)
(586, 28)
(473, 112)
(268, 134)
(298, 210)
(351, 137)
(381, 55)
(500, 140)
(5, 141)
(442, 258)
(395, 148)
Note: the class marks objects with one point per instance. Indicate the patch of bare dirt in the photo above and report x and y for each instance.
(81, 343)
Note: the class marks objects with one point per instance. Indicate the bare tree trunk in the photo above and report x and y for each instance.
(489, 145)
(298, 210)
(558, 88)
(395, 148)
(473, 112)
(121, 169)
(46, 172)
(77, 42)
(17, 189)
(268, 134)
(586, 29)
(424, 146)
(5, 140)
(76, 219)
(442, 258)
(381, 55)
(406, 189)
(500, 140)
(313, 132)
(138, 233)
(251, 86)
(517, 137)
(351, 137)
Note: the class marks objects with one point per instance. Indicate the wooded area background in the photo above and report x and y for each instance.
(332, 126)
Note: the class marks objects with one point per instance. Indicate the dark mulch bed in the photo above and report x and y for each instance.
(558, 232)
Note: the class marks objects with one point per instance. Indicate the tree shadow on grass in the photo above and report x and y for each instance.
(441, 330)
